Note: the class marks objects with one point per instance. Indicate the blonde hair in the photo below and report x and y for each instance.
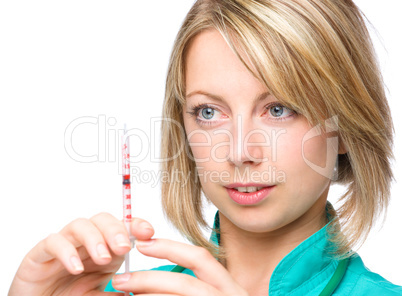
(315, 56)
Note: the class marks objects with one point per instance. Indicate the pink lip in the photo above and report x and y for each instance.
(233, 185)
(251, 198)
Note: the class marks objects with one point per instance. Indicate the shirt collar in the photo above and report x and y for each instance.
(291, 277)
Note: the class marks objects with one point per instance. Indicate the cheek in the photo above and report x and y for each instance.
(307, 153)
(207, 147)
(287, 155)
(210, 153)
(200, 145)
(315, 151)
(320, 154)
(199, 141)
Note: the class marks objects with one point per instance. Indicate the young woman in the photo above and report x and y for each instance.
(267, 104)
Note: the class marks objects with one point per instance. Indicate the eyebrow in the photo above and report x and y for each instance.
(259, 98)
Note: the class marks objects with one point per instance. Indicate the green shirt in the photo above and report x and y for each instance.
(306, 270)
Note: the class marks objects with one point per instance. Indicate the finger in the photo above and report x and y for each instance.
(82, 232)
(162, 282)
(56, 246)
(114, 233)
(197, 259)
(99, 293)
(141, 229)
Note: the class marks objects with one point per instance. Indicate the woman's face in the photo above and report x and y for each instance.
(242, 139)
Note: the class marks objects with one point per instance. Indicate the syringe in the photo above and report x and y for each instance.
(126, 194)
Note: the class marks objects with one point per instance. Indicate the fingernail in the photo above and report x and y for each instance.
(122, 241)
(103, 251)
(146, 225)
(77, 264)
(121, 278)
(144, 243)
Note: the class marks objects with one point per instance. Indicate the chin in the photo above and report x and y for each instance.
(257, 220)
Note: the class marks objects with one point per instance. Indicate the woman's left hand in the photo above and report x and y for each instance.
(212, 278)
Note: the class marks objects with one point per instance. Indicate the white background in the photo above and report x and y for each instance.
(62, 60)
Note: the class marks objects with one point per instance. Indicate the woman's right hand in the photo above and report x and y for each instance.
(80, 259)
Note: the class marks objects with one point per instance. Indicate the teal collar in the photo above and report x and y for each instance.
(291, 277)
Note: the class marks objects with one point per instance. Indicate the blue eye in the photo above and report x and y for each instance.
(207, 113)
(278, 111)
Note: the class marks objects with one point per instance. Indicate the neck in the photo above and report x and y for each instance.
(252, 257)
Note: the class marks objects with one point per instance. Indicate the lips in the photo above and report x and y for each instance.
(248, 194)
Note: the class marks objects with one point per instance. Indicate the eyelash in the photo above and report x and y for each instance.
(276, 104)
(196, 109)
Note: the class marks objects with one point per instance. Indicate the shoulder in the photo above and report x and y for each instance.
(359, 280)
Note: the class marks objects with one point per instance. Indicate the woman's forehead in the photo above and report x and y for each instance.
(214, 69)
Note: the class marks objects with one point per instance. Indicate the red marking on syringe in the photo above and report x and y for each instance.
(126, 180)
(126, 193)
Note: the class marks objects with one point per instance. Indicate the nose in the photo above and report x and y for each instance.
(249, 144)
